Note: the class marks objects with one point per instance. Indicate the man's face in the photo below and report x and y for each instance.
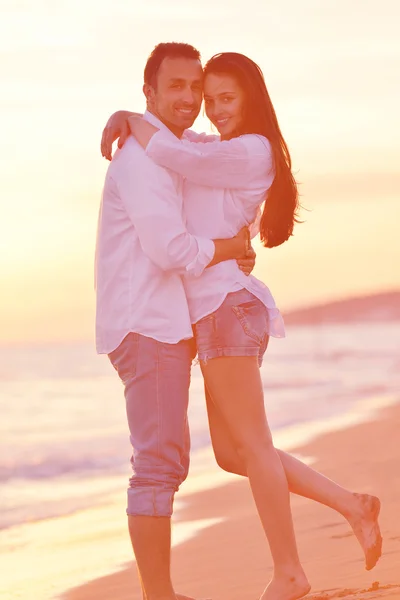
(177, 97)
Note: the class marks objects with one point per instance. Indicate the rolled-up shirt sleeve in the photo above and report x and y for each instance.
(153, 205)
(227, 164)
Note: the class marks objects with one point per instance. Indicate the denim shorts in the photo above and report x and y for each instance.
(239, 327)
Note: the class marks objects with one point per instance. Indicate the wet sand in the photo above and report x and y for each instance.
(230, 560)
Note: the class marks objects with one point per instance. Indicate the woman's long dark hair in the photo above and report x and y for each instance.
(282, 204)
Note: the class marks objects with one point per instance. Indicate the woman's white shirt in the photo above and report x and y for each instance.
(225, 183)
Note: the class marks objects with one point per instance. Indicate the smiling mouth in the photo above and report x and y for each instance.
(187, 112)
(221, 122)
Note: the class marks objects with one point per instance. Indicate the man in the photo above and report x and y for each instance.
(142, 318)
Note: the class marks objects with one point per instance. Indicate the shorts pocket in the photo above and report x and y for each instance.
(253, 317)
(124, 358)
(205, 333)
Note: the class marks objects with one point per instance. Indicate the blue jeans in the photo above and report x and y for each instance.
(239, 327)
(156, 377)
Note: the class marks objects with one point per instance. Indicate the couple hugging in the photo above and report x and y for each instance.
(173, 266)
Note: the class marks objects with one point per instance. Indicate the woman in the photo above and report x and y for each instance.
(227, 181)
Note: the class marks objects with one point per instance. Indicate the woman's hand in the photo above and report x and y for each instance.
(142, 130)
(116, 127)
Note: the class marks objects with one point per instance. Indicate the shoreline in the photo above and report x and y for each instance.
(229, 558)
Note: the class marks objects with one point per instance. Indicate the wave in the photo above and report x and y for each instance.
(51, 467)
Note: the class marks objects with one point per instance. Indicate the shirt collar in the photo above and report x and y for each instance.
(148, 116)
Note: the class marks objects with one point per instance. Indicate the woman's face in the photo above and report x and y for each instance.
(224, 103)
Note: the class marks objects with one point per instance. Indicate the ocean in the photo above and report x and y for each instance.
(64, 446)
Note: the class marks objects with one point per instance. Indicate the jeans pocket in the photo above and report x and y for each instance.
(253, 317)
(124, 358)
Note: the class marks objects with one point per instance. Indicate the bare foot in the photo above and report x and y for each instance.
(364, 522)
(286, 588)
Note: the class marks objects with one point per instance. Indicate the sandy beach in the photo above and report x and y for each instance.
(230, 560)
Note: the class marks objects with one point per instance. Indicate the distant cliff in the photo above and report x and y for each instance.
(375, 307)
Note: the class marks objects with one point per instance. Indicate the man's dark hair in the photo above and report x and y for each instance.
(166, 50)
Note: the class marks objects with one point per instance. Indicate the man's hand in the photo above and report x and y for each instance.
(242, 239)
(247, 264)
(116, 127)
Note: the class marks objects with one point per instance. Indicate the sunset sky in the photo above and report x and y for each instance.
(332, 68)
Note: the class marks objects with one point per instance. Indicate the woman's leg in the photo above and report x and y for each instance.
(361, 510)
(235, 387)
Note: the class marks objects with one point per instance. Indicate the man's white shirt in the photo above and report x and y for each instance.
(143, 248)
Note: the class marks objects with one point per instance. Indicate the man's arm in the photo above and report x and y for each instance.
(150, 199)
(226, 249)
